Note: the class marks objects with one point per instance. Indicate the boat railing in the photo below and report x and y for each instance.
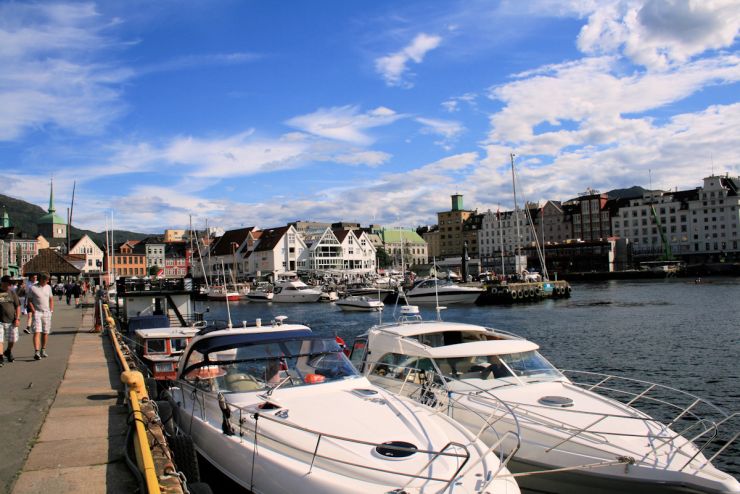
(238, 424)
(431, 389)
(656, 403)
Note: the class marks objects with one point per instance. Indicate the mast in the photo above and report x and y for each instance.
(501, 241)
(516, 215)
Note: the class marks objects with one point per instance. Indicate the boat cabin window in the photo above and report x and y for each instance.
(263, 366)
(445, 338)
(489, 367)
(178, 344)
(359, 350)
(156, 346)
(402, 367)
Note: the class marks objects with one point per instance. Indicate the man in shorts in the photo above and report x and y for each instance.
(41, 304)
(25, 291)
(10, 316)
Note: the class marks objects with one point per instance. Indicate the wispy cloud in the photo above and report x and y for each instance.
(345, 123)
(449, 130)
(394, 68)
(58, 77)
(200, 61)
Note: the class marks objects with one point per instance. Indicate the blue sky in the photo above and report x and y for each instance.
(259, 113)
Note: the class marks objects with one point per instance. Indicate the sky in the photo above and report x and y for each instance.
(245, 113)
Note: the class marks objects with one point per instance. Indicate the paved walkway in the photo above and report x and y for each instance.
(80, 444)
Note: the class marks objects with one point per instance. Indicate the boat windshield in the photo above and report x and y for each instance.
(264, 366)
(499, 369)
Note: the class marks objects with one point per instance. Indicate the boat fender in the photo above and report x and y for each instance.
(226, 426)
(569, 289)
(514, 295)
(494, 291)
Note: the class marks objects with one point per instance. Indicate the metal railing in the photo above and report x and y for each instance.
(671, 405)
(240, 425)
(432, 390)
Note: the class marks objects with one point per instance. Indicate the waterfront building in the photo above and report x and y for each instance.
(278, 251)
(698, 224)
(91, 254)
(177, 260)
(174, 236)
(230, 251)
(452, 231)
(553, 222)
(309, 227)
(129, 259)
(592, 219)
(715, 217)
(16, 247)
(398, 241)
(154, 248)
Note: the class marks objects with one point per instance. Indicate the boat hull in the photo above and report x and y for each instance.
(444, 298)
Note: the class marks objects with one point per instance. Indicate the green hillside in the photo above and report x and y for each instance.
(24, 215)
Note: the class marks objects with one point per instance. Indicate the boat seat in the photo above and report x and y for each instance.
(241, 382)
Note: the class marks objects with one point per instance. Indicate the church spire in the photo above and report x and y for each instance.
(51, 198)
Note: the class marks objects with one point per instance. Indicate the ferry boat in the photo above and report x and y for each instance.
(278, 409)
(577, 437)
(445, 292)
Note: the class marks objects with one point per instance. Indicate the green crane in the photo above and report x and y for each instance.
(667, 254)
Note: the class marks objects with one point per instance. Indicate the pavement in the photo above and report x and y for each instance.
(63, 418)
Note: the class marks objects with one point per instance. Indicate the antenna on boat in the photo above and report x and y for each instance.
(228, 309)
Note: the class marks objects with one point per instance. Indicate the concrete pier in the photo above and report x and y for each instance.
(64, 426)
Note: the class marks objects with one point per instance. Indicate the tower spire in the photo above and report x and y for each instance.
(51, 198)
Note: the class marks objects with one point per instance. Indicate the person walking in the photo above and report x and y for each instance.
(76, 292)
(23, 295)
(10, 318)
(68, 291)
(41, 304)
(59, 290)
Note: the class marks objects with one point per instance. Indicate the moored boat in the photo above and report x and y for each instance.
(361, 304)
(295, 292)
(277, 409)
(576, 435)
(445, 292)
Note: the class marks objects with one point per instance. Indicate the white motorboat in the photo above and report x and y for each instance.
(295, 292)
(260, 295)
(444, 292)
(590, 430)
(363, 304)
(277, 409)
(328, 295)
(222, 293)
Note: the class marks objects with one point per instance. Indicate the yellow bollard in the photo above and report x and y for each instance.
(135, 381)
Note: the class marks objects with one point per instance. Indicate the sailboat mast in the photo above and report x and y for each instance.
(501, 241)
(516, 214)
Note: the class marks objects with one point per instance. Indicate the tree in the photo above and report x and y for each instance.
(384, 260)
(154, 270)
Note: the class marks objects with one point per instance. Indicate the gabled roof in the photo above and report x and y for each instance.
(393, 236)
(270, 238)
(223, 247)
(341, 234)
(50, 261)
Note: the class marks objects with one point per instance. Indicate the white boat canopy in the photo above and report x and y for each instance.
(482, 348)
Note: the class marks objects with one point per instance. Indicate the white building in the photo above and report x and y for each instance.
(705, 220)
(228, 254)
(715, 216)
(636, 222)
(498, 227)
(154, 251)
(339, 252)
(93, 255)
(279, 251)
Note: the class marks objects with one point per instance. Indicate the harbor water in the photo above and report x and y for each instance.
(674, 332)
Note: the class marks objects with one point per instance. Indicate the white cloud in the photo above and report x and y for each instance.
(52, 69)
(393, 67)
(660, 33)
(449, 130)
(453, 104)
(369, 158)
(344, 123)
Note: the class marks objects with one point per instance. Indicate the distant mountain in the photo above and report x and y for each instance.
(634, 192)
(24, 216)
